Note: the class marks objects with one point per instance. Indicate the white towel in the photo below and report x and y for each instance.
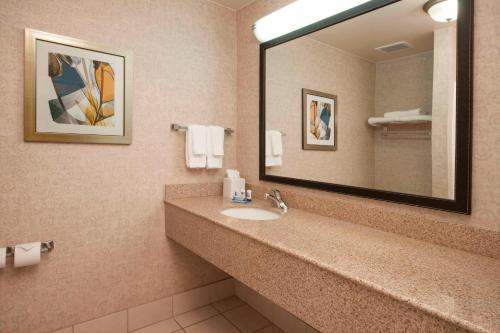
(198, 136)
(215, 147)
(274, 149)
(381, 121)
(413, 112)
(269, 147)
(196, 147)
(276, 143)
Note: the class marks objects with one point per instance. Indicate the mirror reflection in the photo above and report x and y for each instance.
(369, 102)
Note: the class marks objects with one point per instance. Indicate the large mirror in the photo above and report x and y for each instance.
(372, 102)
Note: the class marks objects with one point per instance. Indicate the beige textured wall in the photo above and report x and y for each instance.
(486, 137)
(404, 165)
(443, 109)
(102, 204)
(307, 63)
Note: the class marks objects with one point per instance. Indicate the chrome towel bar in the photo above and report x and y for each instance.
(177, 127)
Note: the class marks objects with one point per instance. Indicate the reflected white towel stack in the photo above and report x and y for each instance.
(381, 121)
(274, 148)
(413, 112)
(196, 147)
(215, 147)
(414, 116)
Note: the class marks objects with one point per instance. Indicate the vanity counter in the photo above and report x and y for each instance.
(339, 276)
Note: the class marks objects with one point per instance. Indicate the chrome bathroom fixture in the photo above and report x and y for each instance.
(45, 247)
(277, 201)
(177, 127)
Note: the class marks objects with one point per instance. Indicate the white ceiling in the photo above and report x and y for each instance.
(234, 4)
(402, 21)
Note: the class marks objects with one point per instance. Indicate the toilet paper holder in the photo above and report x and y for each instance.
(45, 247)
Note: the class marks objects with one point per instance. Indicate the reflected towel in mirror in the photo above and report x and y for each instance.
(274, 148)
(413, 112)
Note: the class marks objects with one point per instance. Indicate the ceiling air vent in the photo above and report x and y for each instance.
(394, 47)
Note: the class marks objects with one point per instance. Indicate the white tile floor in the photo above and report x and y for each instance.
(231, 315)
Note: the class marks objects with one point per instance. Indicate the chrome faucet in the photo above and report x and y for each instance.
(277, 201)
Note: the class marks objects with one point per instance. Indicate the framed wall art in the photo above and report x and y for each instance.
(76, 91)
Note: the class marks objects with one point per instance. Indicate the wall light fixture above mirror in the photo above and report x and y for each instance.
(375, 101)
(297, 15)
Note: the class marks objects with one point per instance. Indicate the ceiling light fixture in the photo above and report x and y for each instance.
(299, 14)
(442, 10)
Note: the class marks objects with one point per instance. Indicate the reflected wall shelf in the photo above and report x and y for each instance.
(405, 135)
(385, 122)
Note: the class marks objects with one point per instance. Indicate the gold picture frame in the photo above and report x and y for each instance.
(316, 134)
(112, 118)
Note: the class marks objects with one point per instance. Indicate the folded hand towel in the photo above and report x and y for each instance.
(381, 121)
(196, 156)
(274, 152)
(276, 143)
(199, 137)
(215, 147)
(269, 147)
(413, 112)
(274, 161)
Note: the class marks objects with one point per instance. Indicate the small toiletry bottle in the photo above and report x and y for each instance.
(242, 194)
(249, 195)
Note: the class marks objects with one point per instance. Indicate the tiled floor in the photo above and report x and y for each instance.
(231, 315)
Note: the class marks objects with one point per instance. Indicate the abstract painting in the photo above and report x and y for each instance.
(85, 91)
(76, 91)
(319, 120)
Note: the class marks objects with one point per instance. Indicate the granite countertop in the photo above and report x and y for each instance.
(454, 285)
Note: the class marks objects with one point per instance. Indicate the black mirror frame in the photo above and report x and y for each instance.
(463, 160)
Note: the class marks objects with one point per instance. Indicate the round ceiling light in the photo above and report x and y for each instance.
(442, 10)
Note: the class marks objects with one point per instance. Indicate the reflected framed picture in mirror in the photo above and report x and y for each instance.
(319, 120)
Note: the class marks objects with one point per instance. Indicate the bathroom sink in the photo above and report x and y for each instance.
(255, 214)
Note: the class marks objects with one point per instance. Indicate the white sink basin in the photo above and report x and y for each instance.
(255, 214)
